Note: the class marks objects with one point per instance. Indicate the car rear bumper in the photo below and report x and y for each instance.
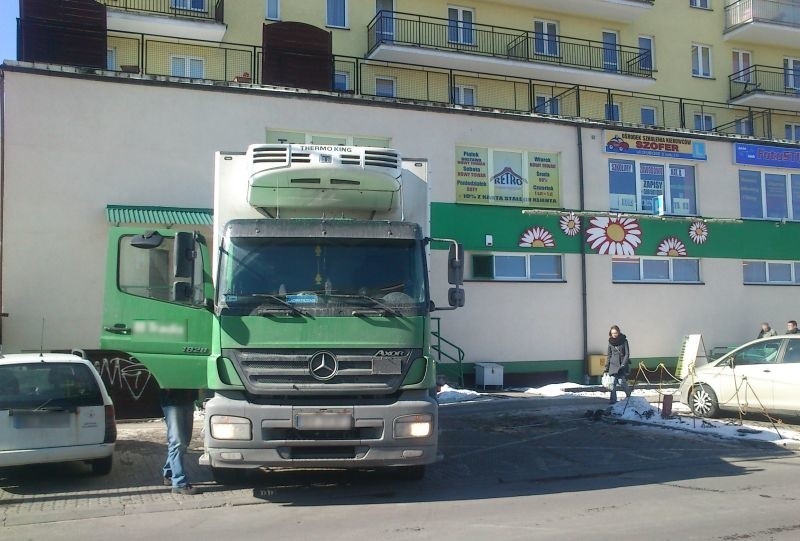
(23, 457)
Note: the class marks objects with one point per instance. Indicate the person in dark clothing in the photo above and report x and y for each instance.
(618, 362)
(766, 331)
(791, 327)
(178, 408)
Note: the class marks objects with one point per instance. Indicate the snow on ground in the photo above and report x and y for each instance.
(448, 395)
(558, 389)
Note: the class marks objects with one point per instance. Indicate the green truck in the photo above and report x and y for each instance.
(308, 315)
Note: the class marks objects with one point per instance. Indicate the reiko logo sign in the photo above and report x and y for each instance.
(642, 144)
(769, 156)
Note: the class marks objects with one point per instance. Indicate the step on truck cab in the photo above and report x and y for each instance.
(314, 333)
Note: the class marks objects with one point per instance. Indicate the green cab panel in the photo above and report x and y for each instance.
(165, 326)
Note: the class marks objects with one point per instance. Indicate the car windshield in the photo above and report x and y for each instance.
(311, 274)
(48, 385)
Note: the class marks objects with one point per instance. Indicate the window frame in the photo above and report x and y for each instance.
(791, 72)
(615, 108)
(458, 95)
(346, 81)
(794, 128)
(790, 177)
(111, 58)
(546, 105)
(188, 60)
(651, 49)
(463, 29)
(639, 185)
(794, 267)
(328, 11)
(655, 115)
(277, 5)
(389, 78)
(181, 5)
(671, 270)
(547, 43)
(697, 53)
(698, 4)
(528, 259)
(737, 56)
(610, 55)
(707, 121)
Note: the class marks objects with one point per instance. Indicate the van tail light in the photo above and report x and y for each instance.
(111, 425)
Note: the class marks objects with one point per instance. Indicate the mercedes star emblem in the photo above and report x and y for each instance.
(323, 365)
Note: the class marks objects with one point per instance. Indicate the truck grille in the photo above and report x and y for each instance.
(286, 372)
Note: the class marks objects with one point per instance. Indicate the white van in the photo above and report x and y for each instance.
(54, 408)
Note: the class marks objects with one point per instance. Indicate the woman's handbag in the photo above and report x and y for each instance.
(607, 380)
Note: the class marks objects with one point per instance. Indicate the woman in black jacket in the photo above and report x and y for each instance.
(618, 361)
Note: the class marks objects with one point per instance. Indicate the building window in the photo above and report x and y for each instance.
(741, 67)
(704, 4)
(545, 39)
(274, 10)
(187, 66)
(337, 13)
(793, 132)
(460, 25)
(701, 60)
(535, 268)
(385, 87)
(791, 73)
(743, 126)
(341, 81)
(547, 105)
(610, 52)
(194, 5)
(646, 57)
(655, 269)
(111, 58)
(612, 112)
(769, 196)
(703, 122)
(771, 272)
(464, 95)
(636, 187)
(385, 22)
(649, 116)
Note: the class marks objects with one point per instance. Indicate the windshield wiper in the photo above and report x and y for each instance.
(265, 310)
(375, 302)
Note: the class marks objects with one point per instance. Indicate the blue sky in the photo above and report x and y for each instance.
(9, 11)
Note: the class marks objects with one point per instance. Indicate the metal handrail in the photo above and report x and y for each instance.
(408, 29)
(743, 12)
(210, 9)
(768, 79)
(437, 347)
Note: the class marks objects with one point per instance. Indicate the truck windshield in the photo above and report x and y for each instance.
(322, 274)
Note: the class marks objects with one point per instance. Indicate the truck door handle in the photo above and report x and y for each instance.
(767, 370)
(118, 328)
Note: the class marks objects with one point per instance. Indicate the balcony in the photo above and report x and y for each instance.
(624, 11)
(766, 22)
(189, 19)
(765, 86)
(415, 39)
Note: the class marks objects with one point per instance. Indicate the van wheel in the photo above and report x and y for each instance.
(703, 401)
(228, 476)
(102, 466)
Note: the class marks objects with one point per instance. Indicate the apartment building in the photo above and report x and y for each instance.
(603, 161)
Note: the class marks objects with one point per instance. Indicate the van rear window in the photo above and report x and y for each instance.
(48, 385)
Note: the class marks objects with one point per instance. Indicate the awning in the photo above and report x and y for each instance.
(166, 216)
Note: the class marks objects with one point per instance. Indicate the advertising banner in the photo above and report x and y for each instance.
(663, 146)
(769, 156)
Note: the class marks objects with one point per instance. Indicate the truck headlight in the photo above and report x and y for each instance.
(226, 427)
(413, 426)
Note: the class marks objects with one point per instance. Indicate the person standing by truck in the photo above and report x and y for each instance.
(618, 362)
(178, 408)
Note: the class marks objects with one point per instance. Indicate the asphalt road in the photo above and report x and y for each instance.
(513, 469)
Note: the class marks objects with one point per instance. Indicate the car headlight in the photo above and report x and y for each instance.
(413, 426)
(227, 427)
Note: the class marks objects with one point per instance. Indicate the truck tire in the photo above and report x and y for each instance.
(228, 476)
(102, 466)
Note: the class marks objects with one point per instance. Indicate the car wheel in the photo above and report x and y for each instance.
(703, 401)
(102, 466)
(228, 476)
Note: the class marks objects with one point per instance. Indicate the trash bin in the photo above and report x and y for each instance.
(488, 375)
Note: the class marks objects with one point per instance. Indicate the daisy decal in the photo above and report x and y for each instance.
(570, 224)
(614, 235)
(536, 237)
(672, 247)
(698, 232)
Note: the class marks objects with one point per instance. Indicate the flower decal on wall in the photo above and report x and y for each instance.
(672, 247)
(614, 235)
(570, 224)
(698, 232)
(536, 237)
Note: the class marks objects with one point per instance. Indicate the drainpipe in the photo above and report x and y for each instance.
(582, 207)
(2, 190)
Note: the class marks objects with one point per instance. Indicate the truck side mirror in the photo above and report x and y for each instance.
(147, 240)
(455, 265)
(456, 297)
(182, 291)
(184, 255)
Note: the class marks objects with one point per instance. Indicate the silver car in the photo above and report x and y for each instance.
(762, 375)
(54, 408)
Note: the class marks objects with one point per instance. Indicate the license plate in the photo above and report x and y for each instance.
(41, 420)
(323, 421)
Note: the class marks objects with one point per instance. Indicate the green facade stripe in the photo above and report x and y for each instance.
(734, 239)
(122, 214)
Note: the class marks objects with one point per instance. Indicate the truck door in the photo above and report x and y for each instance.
(157, 289)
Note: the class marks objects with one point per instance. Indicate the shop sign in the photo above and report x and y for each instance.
(663, 146)
(765, 155)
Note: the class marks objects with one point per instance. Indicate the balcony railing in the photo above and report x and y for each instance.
(192, 9)
(784, 12)
(767, 79)
(404, 29)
